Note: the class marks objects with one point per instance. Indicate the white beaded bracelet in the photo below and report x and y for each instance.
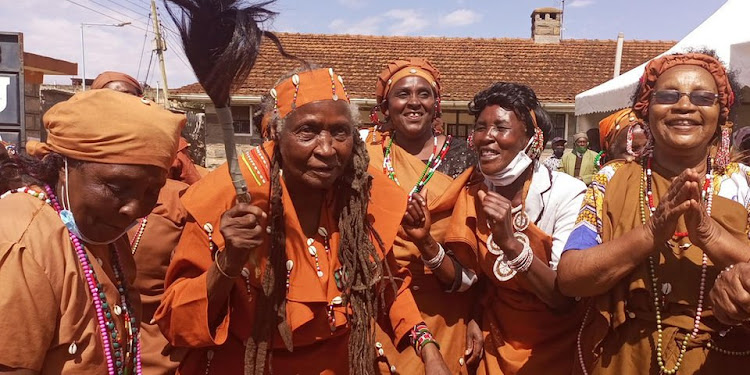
(523, 261)
(437, 261)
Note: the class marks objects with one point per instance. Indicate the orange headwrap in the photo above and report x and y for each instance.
(611, 126)
(106, 77)
(306, 87)
(398, 69)
(658, 66)
(107, 126)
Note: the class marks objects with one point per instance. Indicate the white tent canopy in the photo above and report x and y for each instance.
(726, 32)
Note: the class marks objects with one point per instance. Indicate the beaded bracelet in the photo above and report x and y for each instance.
(420, 336)
(729, 267)
(437, 261)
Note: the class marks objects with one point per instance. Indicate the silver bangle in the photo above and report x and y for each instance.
(436, 261)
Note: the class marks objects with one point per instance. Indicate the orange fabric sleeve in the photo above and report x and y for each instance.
(28, 306)
(183, 313)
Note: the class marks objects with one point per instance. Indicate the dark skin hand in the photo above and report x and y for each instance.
(416, 223)
(242, 227)
(730, 296)
(540, 276)
(474, 344)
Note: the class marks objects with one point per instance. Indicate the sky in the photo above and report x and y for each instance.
(53, 27)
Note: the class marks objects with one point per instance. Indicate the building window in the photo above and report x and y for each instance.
(243, 120)
(558, 125)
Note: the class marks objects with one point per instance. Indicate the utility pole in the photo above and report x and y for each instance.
(160, 48)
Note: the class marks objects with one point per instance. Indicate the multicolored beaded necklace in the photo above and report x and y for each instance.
(647, 202)
(117, 357)
(436, 158)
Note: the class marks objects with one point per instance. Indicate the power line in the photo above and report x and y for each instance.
(138, 13)
(105, 15)
(139, 5)
(143, 48)
(148, 70)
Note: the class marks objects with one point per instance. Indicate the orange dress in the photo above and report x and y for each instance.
(318, 348)
(152, 250)
(444, 312)
(522, 334)
(45, 304)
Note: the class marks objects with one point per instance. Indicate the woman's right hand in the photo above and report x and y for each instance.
(242, 227)
(675, 203)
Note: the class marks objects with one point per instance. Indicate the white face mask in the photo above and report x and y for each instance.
(510, 173)
(66, 215)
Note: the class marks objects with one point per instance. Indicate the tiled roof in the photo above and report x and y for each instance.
(557, 72)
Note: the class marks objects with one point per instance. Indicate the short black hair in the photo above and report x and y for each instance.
(515, 97)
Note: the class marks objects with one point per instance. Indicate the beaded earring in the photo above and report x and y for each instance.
(537, 145)
(722, 154)
(470, 139)
(374, 116)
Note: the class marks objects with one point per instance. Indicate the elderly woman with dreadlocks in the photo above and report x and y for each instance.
(652, 237)
(516, 215)
(429, 167)
(293, 282)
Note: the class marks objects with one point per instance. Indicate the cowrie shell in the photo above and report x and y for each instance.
(295, 80)
(312, 250)
(118, 310)
(208, 228)
(72, 349)
(310, 241)
(273, 93)
(289, 265)
(337, 301)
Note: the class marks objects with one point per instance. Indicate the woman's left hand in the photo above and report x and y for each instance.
(701, 228)
(730, 296)
(433, 361)
(474, 344)
(417, 220)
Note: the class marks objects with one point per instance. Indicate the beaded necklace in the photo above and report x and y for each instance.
(436, 158)
(137, 239)
(117, 357)
(647, 201)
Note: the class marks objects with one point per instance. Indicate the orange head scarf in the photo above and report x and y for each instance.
(657, 66)
(107, 126)
(614, 124)
(106, 77)
(305, 87)
(398, 69)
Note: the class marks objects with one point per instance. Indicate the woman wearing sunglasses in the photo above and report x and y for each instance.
(652, 236)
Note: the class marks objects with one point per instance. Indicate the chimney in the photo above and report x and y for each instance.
(545, 25)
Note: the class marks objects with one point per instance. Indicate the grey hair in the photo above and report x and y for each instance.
(276, 122)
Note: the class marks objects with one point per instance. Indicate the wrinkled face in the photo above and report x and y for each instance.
(316, 143)
(582, 142)
(107, 198)
(411, 106)
(124, 87)
(684, 127)
(499, 135)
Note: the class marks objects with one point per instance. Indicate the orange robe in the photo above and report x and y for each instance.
(152, 251)
(445, 313)
(45, 302)
(317, 348)
(522, 334)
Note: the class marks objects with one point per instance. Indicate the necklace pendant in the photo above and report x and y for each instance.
(520, 221)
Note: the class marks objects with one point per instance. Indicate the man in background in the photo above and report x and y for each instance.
(579, 163)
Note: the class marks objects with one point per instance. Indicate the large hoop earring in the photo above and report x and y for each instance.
(723, 153)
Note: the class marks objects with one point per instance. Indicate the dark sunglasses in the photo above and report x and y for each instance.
(701, 98)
